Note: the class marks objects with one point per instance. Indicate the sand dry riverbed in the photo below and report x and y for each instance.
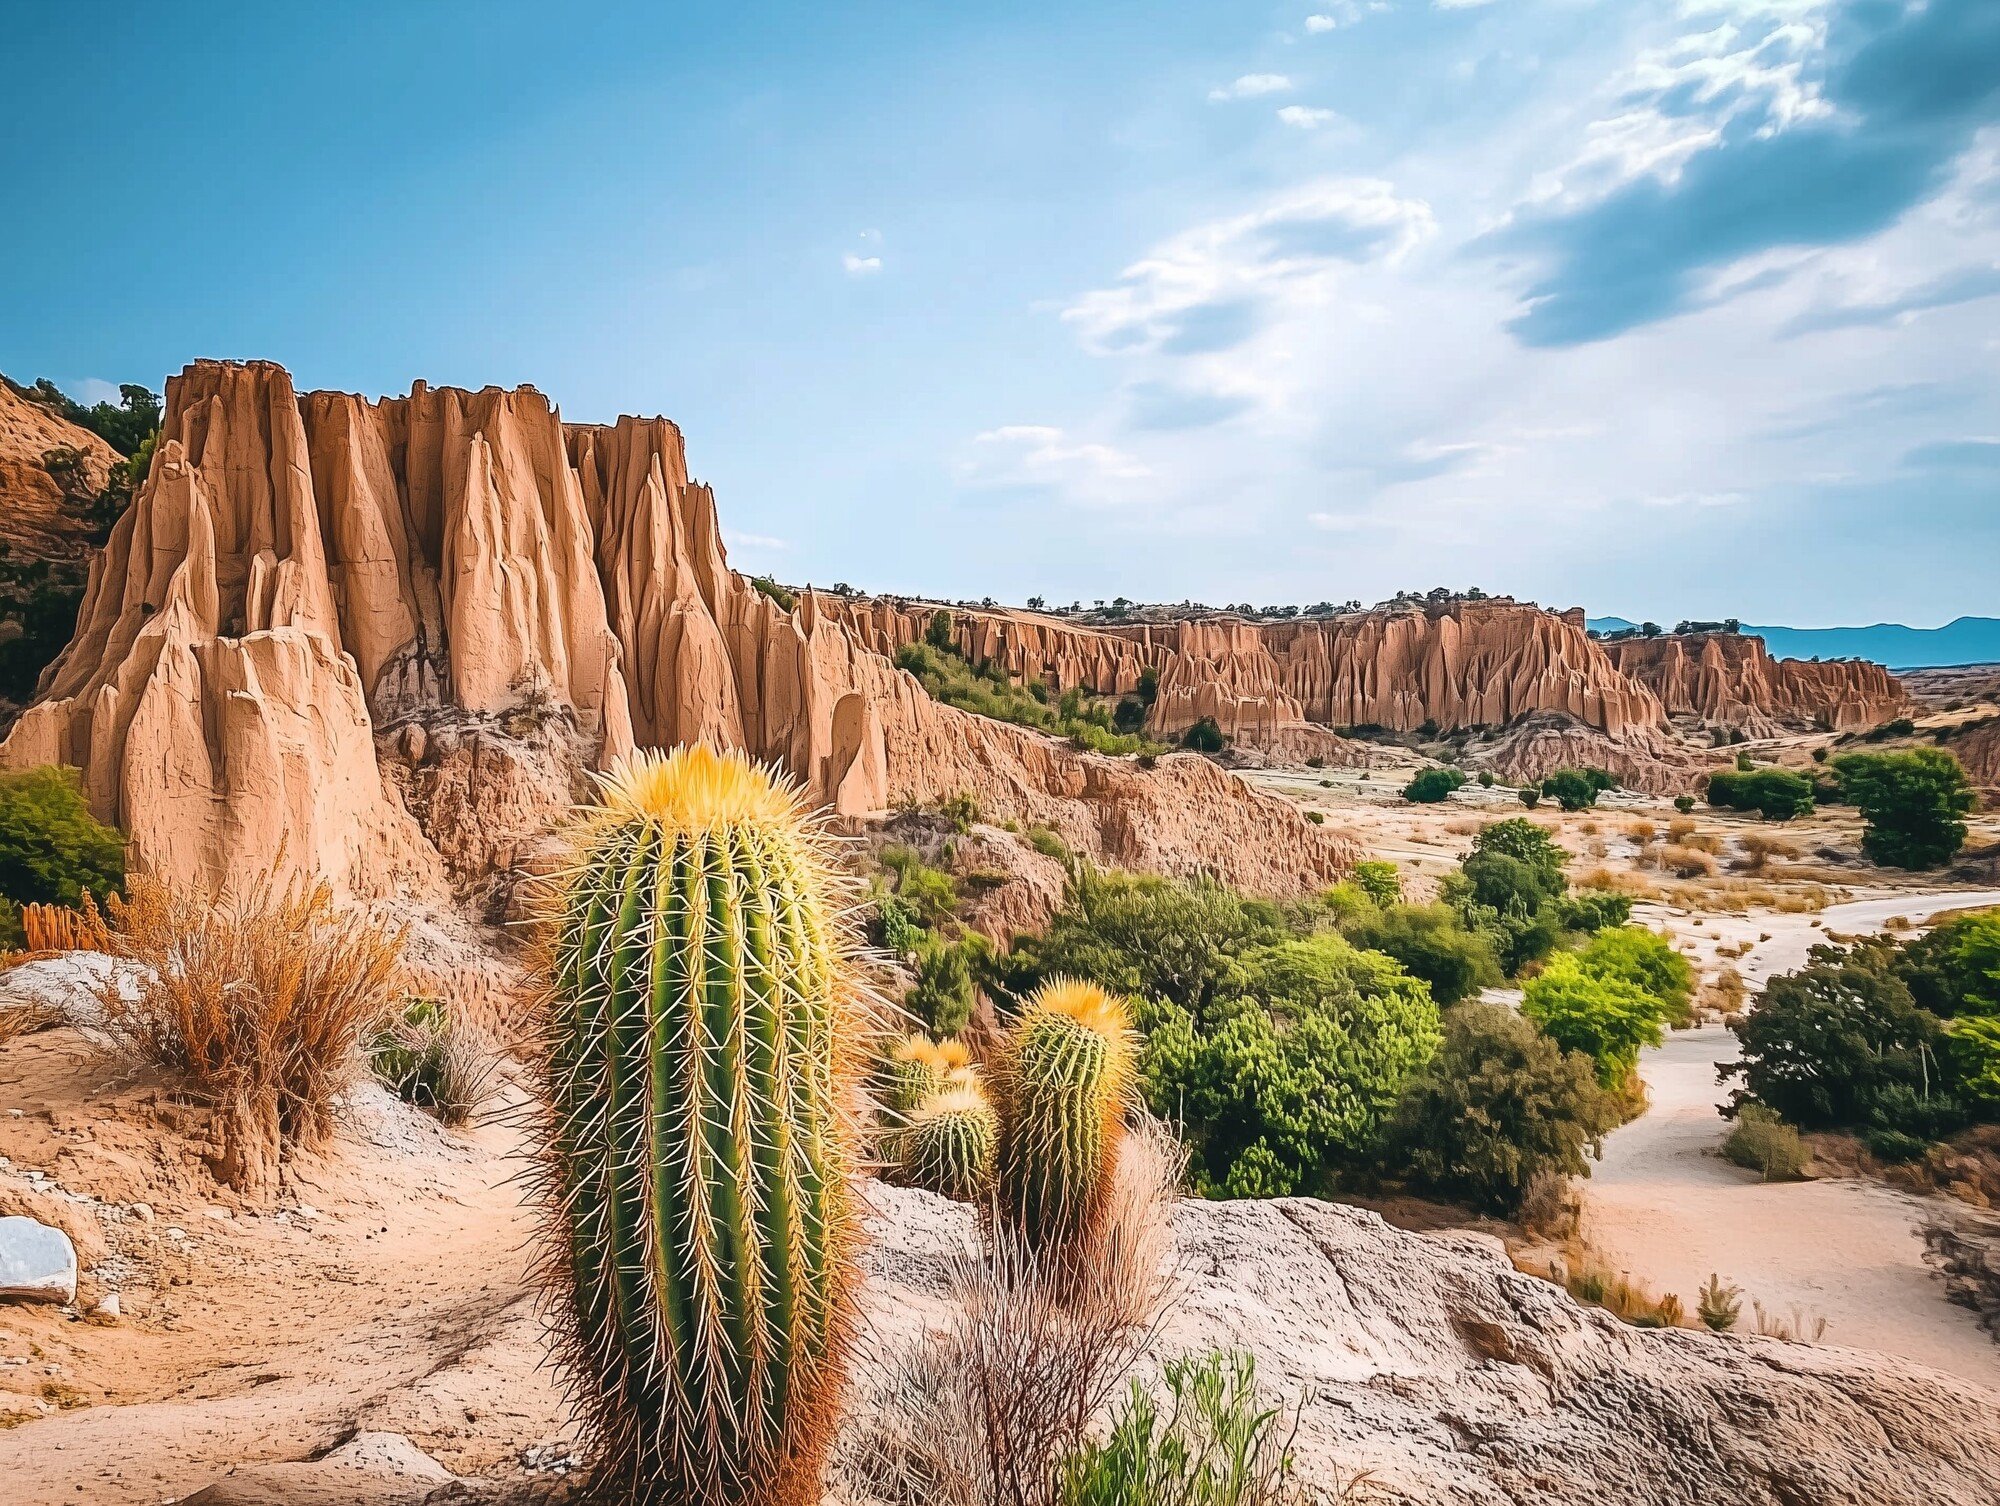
(1666, 1208)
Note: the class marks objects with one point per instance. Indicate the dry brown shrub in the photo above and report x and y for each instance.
(1641, 831)
(54, 928)
(1680, 829)
(1684, 862)
(1587, 827)
(26, 1019)
(1763, 845)
(261, 1001)
(986, 1413)
(1797, 1326)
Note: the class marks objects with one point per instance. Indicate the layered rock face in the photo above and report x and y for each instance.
(31, 521)
(309, 589)
(1729, 680)
(1455, 664)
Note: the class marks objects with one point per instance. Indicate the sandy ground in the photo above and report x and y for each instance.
(1666, 1208)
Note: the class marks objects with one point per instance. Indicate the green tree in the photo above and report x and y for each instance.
(1647, 959)
(1204, 737)
(1432, 785)
(52, 850)
(1522, 839)
(938, 633)
(1498, 1106)
(947, 989)
(1599, 1014)
(1284, 1083)
(1572, 789)
(1975, 1049)
(1529, 796)
(1840, 1044)
(1955, 968)
(1914, 801)
(1434, 944)
(1776, 794)
(1380, 881)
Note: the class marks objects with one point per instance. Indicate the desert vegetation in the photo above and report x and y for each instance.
(53, 852)
(988, 690)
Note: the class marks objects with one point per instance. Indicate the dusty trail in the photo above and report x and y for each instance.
(1663, 1206)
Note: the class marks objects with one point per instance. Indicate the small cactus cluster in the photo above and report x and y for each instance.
(699, 1077)
(1041, 1152)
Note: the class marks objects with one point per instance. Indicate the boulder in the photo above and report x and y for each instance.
(37, 1261)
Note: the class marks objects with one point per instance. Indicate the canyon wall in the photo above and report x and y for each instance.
(32, 524)
(382, 641)
(1730, 680)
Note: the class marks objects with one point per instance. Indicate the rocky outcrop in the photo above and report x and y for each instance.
(332, 634)
(32, 525)
(1434, 1367)
(1534, 747)
(1977, 747)
(1730, 680)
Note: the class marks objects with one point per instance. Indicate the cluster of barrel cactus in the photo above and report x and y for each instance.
(700, 1071)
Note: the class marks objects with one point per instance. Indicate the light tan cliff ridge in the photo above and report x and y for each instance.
(382, 640)
(1730, 680)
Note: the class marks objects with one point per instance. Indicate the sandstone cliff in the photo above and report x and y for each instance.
(334, 634)
(31, 520)
(1729, 680)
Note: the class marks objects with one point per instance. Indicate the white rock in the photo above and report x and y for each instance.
(37, 1262)
(108, 1306)
(142, 1212)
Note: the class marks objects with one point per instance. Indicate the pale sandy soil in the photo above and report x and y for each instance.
(1664, 1207)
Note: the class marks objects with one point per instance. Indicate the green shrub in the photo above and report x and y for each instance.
(929, 893)
(1572, 789)
(1762, 1142)
(1433, 944)
(961, 810)
(1146, 937)
(1647, 959)
(1283, 1083)
(1603, 1016)
(1840, 1044)
(1318, 818)
(947, 986)
(1380, 881)
(52, 850)
(1214, 1444)
(777, 593)
(899, 927)
(1914, 802)
(1528, 843)
(1955, 968)
(1432, 785)
(1593, 910)
(1204, 737)
(1486, 779)
(937, 634)
(1046, 841)
(1499, 1106)
(1775, 794)
(1975, 1049)
(433, 1060)
(1683, 803)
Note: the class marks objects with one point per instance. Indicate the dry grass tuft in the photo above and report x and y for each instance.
(1641, 831)
(262, 1002)
(1797, 1326)
(54, 928)
(1684, 862)
(989, 1412)
(1680, 829)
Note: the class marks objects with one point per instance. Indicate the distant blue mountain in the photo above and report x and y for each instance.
(1967, 640)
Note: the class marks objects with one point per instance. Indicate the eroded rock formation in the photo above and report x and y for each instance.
(322, 613)
(31, 520)
(1730, 680)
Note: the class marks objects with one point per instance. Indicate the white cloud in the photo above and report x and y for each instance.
(753, 543)
(1250, 85)
(861, 266)
(1460, 4)
(1043, 457)
(1208, 288)
(1320, 23)
(1343, 13)
(1306, 118)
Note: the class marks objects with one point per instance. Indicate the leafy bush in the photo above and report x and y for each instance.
(929, 893)
(1840, 1044)
(1955, 968)
(1646, 959)
(1499, 1106)
(898, 925)
(1683, 803)
(1433, 944)
(1572, 789)
(1762, 1142)
(1776, 794)
(1046, 841)
(1528, 843)
(1975, 1049)
(990, 692)
(1215, 1444)
(1146, 937)
(1486, 779)
(1601, 1015)
(961, 810)
(1284, 1081)
(1914, 802)
(1593, 910)
(1432, 785)
(52, 850)
(768, 587)
(1204, 737)
(1381, 882)
(947, 987)
(1529, 796)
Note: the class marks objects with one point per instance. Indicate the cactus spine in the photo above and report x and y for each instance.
(699, 1081)
(915, 1071)
(947, 1147)
(1067, 1079)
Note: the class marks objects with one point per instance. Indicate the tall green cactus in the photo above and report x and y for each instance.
(947, 1145)
(1066, 1081)
(700, 1073)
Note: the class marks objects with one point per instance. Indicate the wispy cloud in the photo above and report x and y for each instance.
(1046, 458)
(1306, 117)
(1252, 85)
(754, 543)
(1964, 285)
(860, 266)
(1954, 454)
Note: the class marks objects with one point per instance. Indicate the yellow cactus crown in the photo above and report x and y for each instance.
(699, 788)
(1090, 1006)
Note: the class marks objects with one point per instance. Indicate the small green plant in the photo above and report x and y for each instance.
(1318, 818)
(1762, 1142)
(1718, 1306)
(52, 850)
(1486, 779)
(961, 810)
(430, 1058)
(1683, 803)
(1214, 1443)
(1529, 796)
(777, 593)
(1204, 737)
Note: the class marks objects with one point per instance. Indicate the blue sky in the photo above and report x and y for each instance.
(1667, 307)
